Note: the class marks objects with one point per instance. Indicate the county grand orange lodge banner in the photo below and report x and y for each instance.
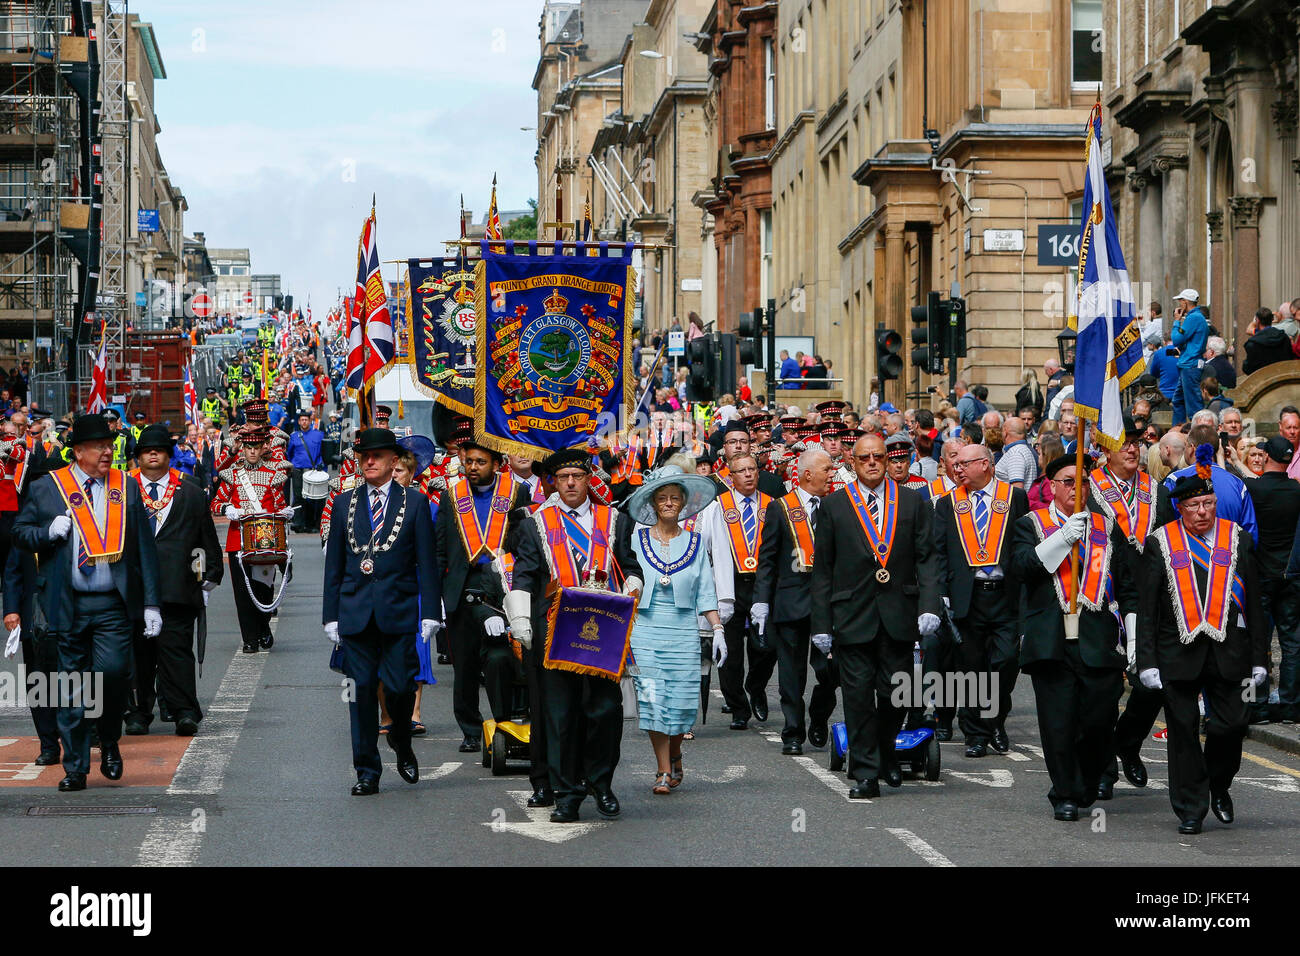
(554, 346)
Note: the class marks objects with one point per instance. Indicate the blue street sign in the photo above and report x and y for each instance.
(146, 220)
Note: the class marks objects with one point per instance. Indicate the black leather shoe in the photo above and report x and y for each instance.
(1189, 827)
(268, 639)
(135, 727)
(1135, 771)
(739, 724)
(818, 734)
(110, 760)
(865, 790)
(977, 750)
(1067, 810)
(46, 758)
(407, 768)
(607, 804)
(725, 709)
(1221, 804)
(542, 798)
(470, 745)
(73, 781)
(758, 704)
(565, 814)
(250, 647)
(444, 659)
(893, 777)
(187, 726)
(792, 748)
(1000, 742)
(1105, 790)
(365, 787)
(943, 733)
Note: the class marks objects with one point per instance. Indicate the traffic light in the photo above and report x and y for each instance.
(725, 345)
(956, 327)
(930, 335)
(749, 337)
(702, 359)
(889, 364)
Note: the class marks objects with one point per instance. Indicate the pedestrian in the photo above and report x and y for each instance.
(1219, 365)
(1017, 465)
(1029, 395)
(383, 560)
(304, 454)
(1190, 331)
(1266, 345)
(98, 579)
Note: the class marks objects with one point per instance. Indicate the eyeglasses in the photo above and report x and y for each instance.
(1064, 482)
(870, 456)
(966, 464)
(1201, 505)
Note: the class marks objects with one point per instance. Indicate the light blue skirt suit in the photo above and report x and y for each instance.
(666, 638)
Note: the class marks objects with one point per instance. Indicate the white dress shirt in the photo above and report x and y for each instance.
(160, 517)
(879, 494)
(383, 490)
(585, 518)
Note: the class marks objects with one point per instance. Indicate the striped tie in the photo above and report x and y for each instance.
(873, 508)
(747, 521)
(579, 538)
(83, 559)
(981, 510)
(813, 502)
(376, 512)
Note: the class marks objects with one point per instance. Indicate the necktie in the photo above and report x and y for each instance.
(578, 537)
(981, 511)
(813, 502)
(747, 521)
(153, 491)
(376, 512)
(153, 496)
(874, 508)
(83, 559)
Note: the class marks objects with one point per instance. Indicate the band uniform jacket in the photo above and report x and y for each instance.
(404, 586)
(135, 574)
(1043, 621)
(847, 600)
(956, 576)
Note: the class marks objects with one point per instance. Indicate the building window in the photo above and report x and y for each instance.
(769, 83)
(765, 283)
(223, 270)
(1086, 41)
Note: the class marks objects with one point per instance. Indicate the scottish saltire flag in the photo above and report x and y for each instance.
(191, 397)
(99, 376)
(1108, 351)
(376, 324)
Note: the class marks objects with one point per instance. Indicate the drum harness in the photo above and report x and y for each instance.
(247, 490)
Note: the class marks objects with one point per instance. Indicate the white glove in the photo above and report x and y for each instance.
(1075, 527)
(152, 622)
(822, 642)
(209, 586)
(633, 585)
(428, 630)
(285, 512)
(1150, 678)
(60, 527)
(726, 609)
(1259, 675)
(15, 638)
(757, 613)
(205, 597)
(927, 624)
(233, 513)
(719, 646)
(1131, 638)
(494, 626)
(332, 631)
(946, 603)
(518, 607)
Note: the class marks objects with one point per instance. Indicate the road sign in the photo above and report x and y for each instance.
(1004, 240)
(141, 299)
(676, 343)
(146, 220)
(201, 305)
(1058, 244)
(248, 298)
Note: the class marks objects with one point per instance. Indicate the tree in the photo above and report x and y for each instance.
(525, 227)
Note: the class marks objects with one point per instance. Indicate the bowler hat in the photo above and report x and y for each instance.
(376, 439)
(155, 436)
(89, 428)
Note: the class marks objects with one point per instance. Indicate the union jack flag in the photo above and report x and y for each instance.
(99, 376)
(370, 308)
(191, 397)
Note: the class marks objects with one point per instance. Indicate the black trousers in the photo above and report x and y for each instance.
(938, 655)
(42, 660)
(1076, 720)
(989, 646)
(1134, 724)
(475, 659)
(584, 731)
(1281, 597)
(99, 641)
(539, 772)
(1195, 774)
(166, 663)
(871, 719)
(736, 686)
(253, 624)
(370, 658)
(794, 654)
(307, 517)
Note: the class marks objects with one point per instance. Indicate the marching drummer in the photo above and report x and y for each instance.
(305, 456)
(247, 486)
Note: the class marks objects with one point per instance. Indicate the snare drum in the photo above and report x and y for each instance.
(263, 539)
(315, 485)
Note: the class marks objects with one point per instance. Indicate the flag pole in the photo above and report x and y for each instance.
(1080, 482)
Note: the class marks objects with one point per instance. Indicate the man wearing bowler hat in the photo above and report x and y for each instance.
(382, 594)
(98, 577)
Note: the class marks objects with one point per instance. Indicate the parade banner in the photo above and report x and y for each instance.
(588, 631)
(443, 327)
(554, 351)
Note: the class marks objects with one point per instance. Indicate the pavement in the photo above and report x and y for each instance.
(266, 782)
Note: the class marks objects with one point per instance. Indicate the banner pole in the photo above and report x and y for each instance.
(1080, 483)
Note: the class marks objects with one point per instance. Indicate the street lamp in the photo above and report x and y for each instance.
(1066, 340)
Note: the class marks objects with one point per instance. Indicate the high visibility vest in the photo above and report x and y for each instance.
(233, 374)
(119, 452)
(212, 409)
(246, 391)
(136, 430)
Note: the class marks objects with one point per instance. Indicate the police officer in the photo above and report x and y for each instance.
(123, 443)
(213, 407)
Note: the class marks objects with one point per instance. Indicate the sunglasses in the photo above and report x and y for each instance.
(870, 456)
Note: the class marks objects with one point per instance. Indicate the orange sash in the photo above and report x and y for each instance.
(561, 546)
(101, 546)
(746, 557)
(1094, 563)
(629, 469)
(1112, 500)
(1194, 614)
(881, 543)
(800, 529)
(483, 540)
(977, 551)
(939, 488)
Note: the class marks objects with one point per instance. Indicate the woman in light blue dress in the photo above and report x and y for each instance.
(678, 589)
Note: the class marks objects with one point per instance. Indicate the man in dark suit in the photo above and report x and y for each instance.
(382, 593)
(783, 606)
(476, 511)
(1074, 661)
(40, 649)
(181, 523)
(875, 590)
(973, 531)
(1201, 630)
(98, 577)
(582, 715)
(736, 442)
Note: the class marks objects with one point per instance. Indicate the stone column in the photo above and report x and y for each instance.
(1284, 112)
(1173, 224)
(1147, 267)
(1218, 292)
(1245, 267)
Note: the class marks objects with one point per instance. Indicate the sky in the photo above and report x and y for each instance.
(280, 119)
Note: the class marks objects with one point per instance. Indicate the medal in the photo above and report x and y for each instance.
(750, 563)
(982, 555)
(882, 575)
(665, 581)
(367, 566)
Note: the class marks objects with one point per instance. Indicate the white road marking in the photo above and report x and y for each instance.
(176, 841)
(1014, 755)
(1152, 784)
(1036, 751)
(539, 825)
(1279, 782)
(920, 847)
(734, 772)
(985, 778)
(835, 781)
